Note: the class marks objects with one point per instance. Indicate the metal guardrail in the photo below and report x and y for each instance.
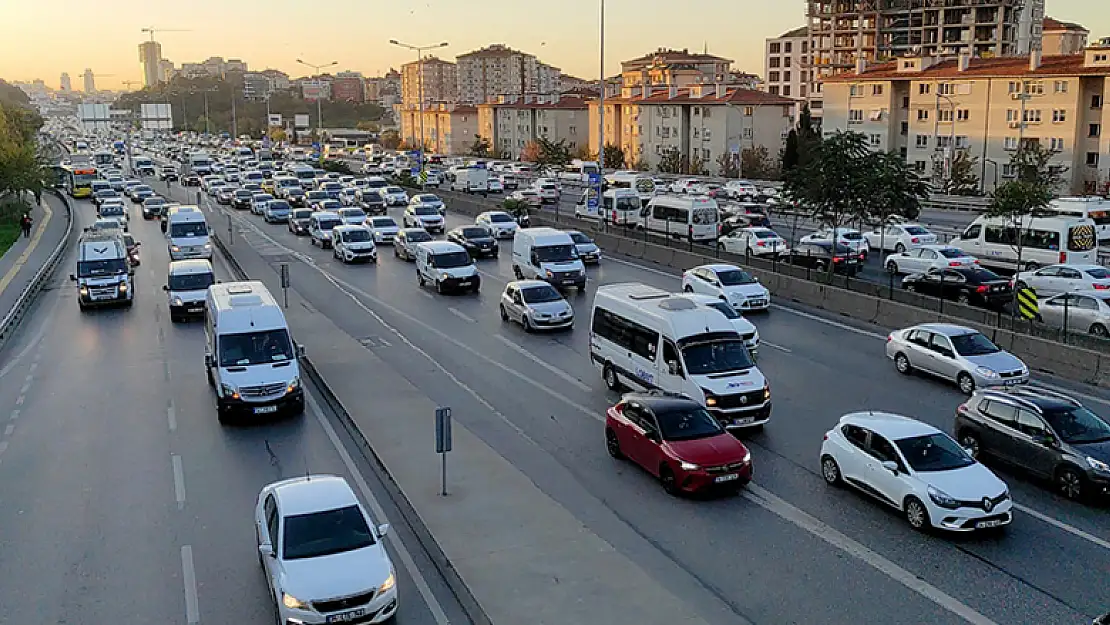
(27, 297)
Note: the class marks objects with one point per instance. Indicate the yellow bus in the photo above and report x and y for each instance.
(78, 180)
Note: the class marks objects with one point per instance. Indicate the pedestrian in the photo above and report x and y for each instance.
(25, 225)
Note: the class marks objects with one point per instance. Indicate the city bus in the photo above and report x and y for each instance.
(1097, 209)
(104, 159)
(78, 180)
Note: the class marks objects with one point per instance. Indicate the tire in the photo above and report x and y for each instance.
(911, 288)
(504, 315)
(1032, 266)
(612, 381)
(819, 265)
(526, 323)
(688, 289)
(966, 384)
(899, 249)
(223, 416)
(917, 515)
(613, 444)
(668, 481)
(439, 287)
(420, 278)
(970, 441)
(1070, 483)
(902, 364)
(830, 470)
(1100, 330)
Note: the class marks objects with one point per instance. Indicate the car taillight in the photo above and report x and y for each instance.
(761, 244)
(953, 264)
(962, 408)
(825, 437)
(975, 262)
(837, 259)
(1102, 287)
(862, 256)
(982, 288)
(890, 337)
(915, 240)
(1063, 257)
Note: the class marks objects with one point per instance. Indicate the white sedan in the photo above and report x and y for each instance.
(755, 241)
(500, 223)
(322, 554)
(916, 469)
(848, 237)
(383, 228)
(1056, 279)
(899, 237)
(926, 257)
(729, 283)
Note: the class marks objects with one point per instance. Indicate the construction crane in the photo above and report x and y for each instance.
(128, 83)
(153, 30)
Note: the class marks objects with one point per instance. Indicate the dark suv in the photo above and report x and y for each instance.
(1048, 434)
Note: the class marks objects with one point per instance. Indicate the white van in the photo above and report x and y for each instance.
(103, 271)
(683, 216)
(1046, 241)
(1095, 208)
(249, 355)
(618, 206)
(187, 233)
(645, 338)
(550, 255)
(187, 286)
(638, 182)
(446, 265)
(320, 225)
(471, 179)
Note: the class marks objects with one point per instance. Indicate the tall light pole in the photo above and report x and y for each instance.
(601, 108)
(319, 115)
(420, 50)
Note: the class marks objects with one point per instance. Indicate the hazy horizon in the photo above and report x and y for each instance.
(273, 33)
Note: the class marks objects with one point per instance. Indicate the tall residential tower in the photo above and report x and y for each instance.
(150, 55)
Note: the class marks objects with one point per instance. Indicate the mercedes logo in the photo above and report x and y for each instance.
(743, 399)
(987, 504)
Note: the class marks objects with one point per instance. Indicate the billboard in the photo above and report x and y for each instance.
(300, 122)
(156, 116)
(94, 117)
(274, 119)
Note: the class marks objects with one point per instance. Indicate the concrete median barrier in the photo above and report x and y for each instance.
(631, 247)
(659, 255)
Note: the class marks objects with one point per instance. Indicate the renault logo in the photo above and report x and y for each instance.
(743, 399)
(987, 504)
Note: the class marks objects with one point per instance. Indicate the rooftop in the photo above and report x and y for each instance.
(666, 55)
(1051, 24)
(1056, 65)
(801, 31)
(564, 103)
(732, 95)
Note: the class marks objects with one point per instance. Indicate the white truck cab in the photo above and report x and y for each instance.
(550, 255)
(103, 270)
(187, 286)
(352, 244)
(446, 265)
(249, 354)
(187, 233)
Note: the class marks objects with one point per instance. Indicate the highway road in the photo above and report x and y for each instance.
(123, 500)
(789, 550)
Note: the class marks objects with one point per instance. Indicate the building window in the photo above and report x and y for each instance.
(773, 90)
(1057, 144)
(855, 90)
(876, 140)
(919, 166)
(1059, 115)
(943, 141)
(786, 76)
(1034, 88)
(1092, 159)
(944, 115)
(962, 142)
(876, 90)
(1014, 87)
(1013, 115)
(573, 130)
(1008, 170)
(962, 115)
(1094, 131)
(774, 62)
(855, 116)
(805, 47)
(1096, 101)
(802, 90)
(1032, 116)
(1010, 143)
(905, 129)
(749, 111)
(788, 47)
(945, 88)
(748, 133)
(773, 76)
(923, 88)
(776, 47)
(1060, 86)
(706, 135)
(922, 115)
(786, 61)
(906, 102)
(786, 90)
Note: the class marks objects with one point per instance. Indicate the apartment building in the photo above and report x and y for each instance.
(1062, 37)
(702, 121)
(514, 121)
(449, 129)
(680, 68)
(786, 69)
(348, 87)
(929, 110)
(498, 70)
(440, 81)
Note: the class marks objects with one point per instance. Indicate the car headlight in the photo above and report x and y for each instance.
(176, 301)
(389, 583)
(942, 499)
(548, 273)
(444, 276)
(229, 391)
(207, 246)
(688, 466)
(766, 392)
(747, 457)
(1098, 465)
(123, 286)
(710, 400)
(986, 372)
(294, 384)
(292, 602)
(175, 249)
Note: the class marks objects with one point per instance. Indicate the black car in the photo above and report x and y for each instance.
(1049, 434)
(476, 239)
(242, 199)
(819, 256)
(154, 207)
(298, 221)
(296, 197)
(192, 180)
(372, 203)
(966, 285)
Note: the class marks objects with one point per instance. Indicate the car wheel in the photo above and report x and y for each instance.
(1100, 330)
(504, 315)
(613, 444)
(892, 267)
(1070, 483)
(917, 515)
(966, 383)
(223, 415)
(970, 441)
(439, 287)
(899, 249)
(1032, 266)
(830, 470)
(420, 278)
(819, 265)
(667, 479)
(902, 364)
(526, 323)
(609, 374)
(688, 289)
(396, 253)
(911, 288)
(517, 273)
(963, 298)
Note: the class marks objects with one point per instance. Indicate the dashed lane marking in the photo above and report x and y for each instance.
(19, 400)
(171, 416)
(461, 315)
(570, 379)
(178, 481)
(15, 415)
(8, 430)
(189, 577)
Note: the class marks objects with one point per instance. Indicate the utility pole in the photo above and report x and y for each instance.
(601, 106)
(234, 118)
(319, 113)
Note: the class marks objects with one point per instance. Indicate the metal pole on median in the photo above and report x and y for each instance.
(443, 444)
(230, 232)
(285, 283)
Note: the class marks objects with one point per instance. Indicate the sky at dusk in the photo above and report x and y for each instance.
(43, 38)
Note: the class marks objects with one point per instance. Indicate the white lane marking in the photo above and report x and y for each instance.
(570, 379)
(827, 533)
(189, 576)
(35, 341)
(19, 400)
(641, 267)
(8, 430)
(773, 346)
(394, 541)
(30, 378)
(15, 415)
(26, 387)
(461, 315)
(171, 416)
(426, 294)
(178, 481)
(493, 277)
(1105, 544)
(3, 447)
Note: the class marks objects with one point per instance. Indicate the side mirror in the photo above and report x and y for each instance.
(891, 466)
(267, 550)
(166, 287)
(73, 277)
(383, 529)
(651, 435)
(299, 350)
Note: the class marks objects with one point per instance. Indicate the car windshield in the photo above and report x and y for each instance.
(277, 205)
(111, 209)
(933, 452)
(352, 212)
(973, 344)
(191, 281)
(262, 197)
(384, 222)
(1078, 425)
(579, 238)
(1098, 273)
(356, 236)
(851, 236)
(687, 423)
(255, 348)
(426, 210)
(916, 230)
(555, 253)
(394, 190)
(317, 195)
(735, 277)
(427, 198)
(190, 229)
(303, 213)
(540, 294)
(325, 533)
(951, 252)
(980, 275)
(143, 189)
(475, 233)
(450, 259)
(297, 191)
(500, 218)
(418, 236)
(94, 268)
(764, 234)
(328, 224)
(244, 193)
(725, 309)
(717, 357)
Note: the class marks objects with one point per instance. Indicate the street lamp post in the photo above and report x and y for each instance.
(319, 114)
(601, 105)
(420, 50)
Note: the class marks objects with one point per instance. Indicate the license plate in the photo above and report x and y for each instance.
(726, 478)
(1012, 382)
(346, 616)
(986, 524)
(464, 281)
(197, 309)
(743, 421)
(568, 281)
(265, 409)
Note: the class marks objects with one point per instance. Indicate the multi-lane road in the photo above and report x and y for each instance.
(789, 550)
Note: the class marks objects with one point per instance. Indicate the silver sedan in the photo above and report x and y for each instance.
(955, 353)
(535, 305)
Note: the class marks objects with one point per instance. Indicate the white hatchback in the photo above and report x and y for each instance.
(915, 468)
(729, 283)
(899, 237)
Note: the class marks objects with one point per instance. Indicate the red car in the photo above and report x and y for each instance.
(675, 439)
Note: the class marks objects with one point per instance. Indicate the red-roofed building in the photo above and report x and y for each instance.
(513, 121)
(1062, 37)
(928, 111)
(702, 120)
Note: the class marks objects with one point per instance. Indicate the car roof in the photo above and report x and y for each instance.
(660, 401)
(716, 267)
(1077, 267)
(947, 329)
(442, 247)
(349, 227)
(190, 266)
(524, 284)
(317, 493)
(891, 426)
(322, 214)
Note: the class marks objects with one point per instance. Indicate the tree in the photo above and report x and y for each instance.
(390, 140)
(639, 165)
(532, 153)
(800, 142)
(1032, 189)
(697, 166)
(583, 153)
(22, 168)
(789, 157)
(895, 188)
(671, 161)
(368, 126)
(553, 153)
(728, 165)
(962, 179)
(757, 163)
(480, 148)
(614, 156)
